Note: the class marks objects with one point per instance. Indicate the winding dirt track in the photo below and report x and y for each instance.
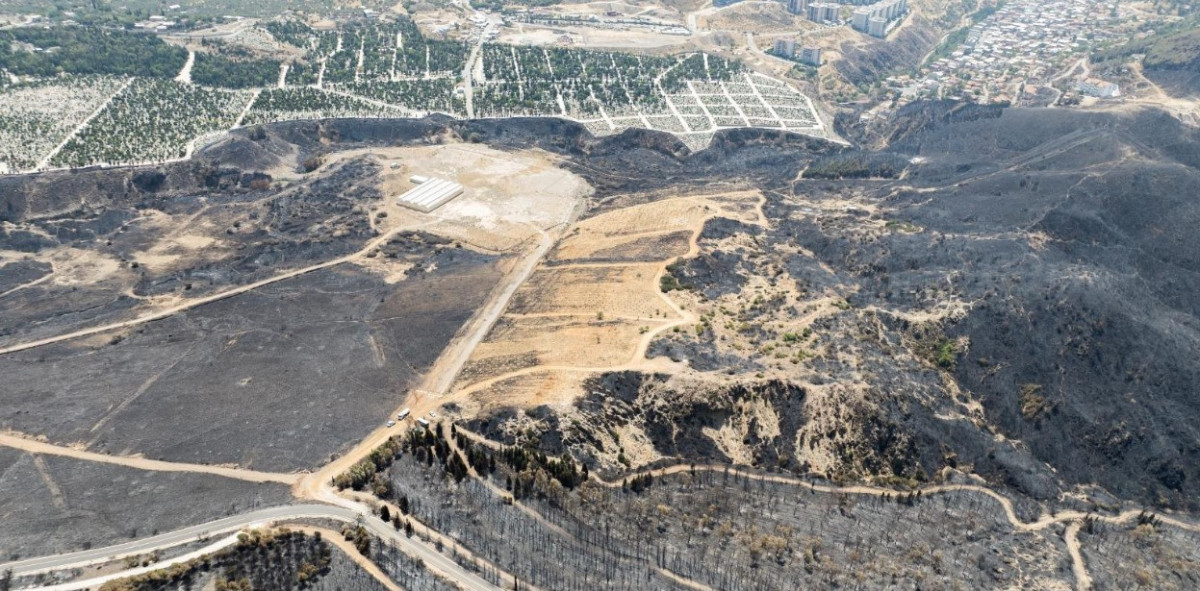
(351, 552)
(1083, 580)
(1073, 519)
(1005, 503)
(509, 499)
(316, 486)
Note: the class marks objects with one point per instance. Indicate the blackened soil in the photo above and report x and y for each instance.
(274, 379)
(1068, 233)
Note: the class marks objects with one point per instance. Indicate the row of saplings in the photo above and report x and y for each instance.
(522, 464)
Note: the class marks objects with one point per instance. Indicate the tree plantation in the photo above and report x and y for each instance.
(83, 96)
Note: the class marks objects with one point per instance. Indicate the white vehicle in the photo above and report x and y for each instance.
(403, 414)
(391, 423)
(423, 422)
(432, 415)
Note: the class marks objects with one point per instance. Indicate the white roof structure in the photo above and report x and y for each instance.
(430, 195)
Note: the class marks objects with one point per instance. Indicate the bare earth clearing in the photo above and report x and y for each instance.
(579, 317)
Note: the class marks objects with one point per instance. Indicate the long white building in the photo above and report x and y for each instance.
(430, 194)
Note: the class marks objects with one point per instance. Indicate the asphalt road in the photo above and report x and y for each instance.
(433, 559)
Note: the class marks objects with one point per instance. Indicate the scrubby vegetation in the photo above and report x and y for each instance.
(1176, 47)
(670, 281)
(430, 446)
(856, 165)
(522, 465)
(292, 32)
(366, 470)
(528, 465)
(1033, 401)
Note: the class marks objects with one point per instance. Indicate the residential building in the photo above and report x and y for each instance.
(823, 12)
(797, 6)
(874, 19)
(810, 56)
(785, 48)
(877, 26)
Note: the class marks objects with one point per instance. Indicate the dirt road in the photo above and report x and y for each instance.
(173, 310)
(637, 360)
(44, 163)
(39, 447)
(351, 552)
(1073, 519)
(441, 375)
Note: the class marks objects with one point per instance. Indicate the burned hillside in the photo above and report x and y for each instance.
(1020, 304)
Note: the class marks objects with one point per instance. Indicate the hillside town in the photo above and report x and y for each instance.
(1017, 51)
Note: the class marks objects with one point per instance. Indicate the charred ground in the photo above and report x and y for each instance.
(1019, 304)
(1003, 293)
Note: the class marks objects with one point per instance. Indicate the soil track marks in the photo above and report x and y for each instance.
(38, 447)
(578, 314)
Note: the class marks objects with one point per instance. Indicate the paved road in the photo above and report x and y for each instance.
(182, 536)
(432, 558)
(99, 581)
(236, 28)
